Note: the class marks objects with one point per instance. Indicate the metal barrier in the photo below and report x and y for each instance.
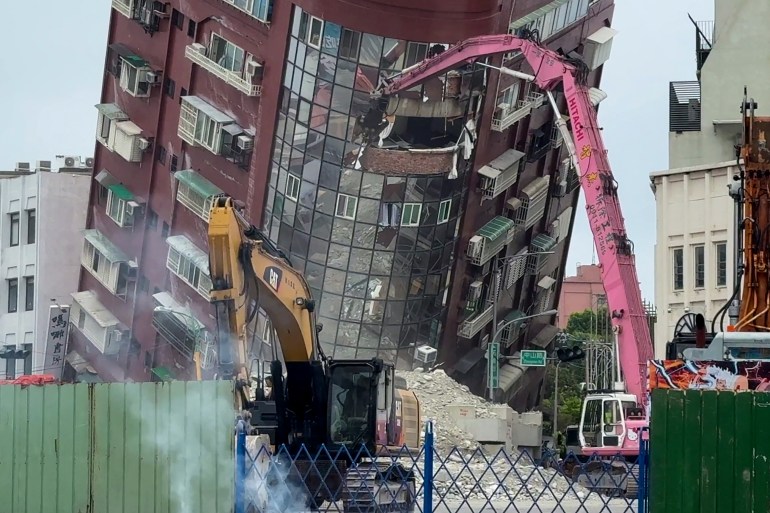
(431, 480)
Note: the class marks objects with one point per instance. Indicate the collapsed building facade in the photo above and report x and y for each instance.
(400, 223)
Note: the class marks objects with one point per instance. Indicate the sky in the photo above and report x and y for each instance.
(50, 87)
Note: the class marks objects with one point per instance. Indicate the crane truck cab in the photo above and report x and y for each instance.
(611, 420)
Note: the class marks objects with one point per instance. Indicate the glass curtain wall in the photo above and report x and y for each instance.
(375, 249)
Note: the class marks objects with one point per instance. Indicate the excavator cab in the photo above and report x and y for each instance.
(352, 403)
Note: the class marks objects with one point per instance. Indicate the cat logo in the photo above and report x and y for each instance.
(273, 277)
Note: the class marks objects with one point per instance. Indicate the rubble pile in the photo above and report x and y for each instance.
(436, 391)
(466, 471)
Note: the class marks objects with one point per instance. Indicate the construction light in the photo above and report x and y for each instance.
(570, 354)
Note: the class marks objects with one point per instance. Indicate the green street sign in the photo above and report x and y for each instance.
(493, 367)
(532, 358)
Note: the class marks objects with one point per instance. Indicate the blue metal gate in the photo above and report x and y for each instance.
(430, 480)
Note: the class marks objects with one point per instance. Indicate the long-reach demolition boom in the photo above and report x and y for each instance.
(616, 258)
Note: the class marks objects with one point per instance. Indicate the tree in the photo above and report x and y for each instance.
(589, 325)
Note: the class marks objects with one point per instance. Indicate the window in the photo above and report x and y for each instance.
(13, 295)
(29, 293)
(191, 28)
(106, 263)
(721, 259)
(134, 78)
(152, 219)
(177, 19)
(678, 254)
(346, 206)
(165, 230)
(349, 44)
(226, 54)
(411, 214)
(31, 226)
(259, 9)
(182, 94)
(184, 259)
(160, 155)
(169, 87)
(415, 52)
(700, 267)
(14, 229)
(118, 134)
(120, 206)
(292, 187)
(10, 363)
(443, 211)
(200, 124)
(311, 30)
(174, 162)
(507, 100)
(195, 192)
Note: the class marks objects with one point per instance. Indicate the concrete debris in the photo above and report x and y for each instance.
(437, 392)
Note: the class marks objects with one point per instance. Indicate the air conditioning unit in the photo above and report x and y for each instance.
(244, 142)
(117, 336)
(426, 355)
(146, 16)
(90, 162)
(475, 245)
(69, 162)
(144, 144)
(503, 106)
(474, 290)
(152, 77)
(553, 229)
(43, 165)
(200, 48)
(253, 68)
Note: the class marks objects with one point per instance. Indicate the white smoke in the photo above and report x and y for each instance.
(187, 430)
(269, 485)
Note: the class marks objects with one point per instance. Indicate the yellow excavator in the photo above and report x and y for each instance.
(316, 401)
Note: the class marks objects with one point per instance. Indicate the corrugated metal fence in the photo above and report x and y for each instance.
(710, 452)
(117, 448)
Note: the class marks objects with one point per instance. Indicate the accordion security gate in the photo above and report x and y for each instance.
(458, 480)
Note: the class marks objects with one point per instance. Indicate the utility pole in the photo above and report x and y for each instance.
(556, 402)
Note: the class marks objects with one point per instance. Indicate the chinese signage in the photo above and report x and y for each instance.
(532, 358)
(56, 340)
(710, 375)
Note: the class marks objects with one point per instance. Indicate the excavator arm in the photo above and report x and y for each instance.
(247, 271)
(599, 186)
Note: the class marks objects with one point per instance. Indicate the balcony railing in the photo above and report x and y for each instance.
(503, 119)
(475, 324)
(231, 77)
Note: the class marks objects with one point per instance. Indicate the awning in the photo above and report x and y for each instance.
(203, 107)
(603, 35)
(513, 315)
(93, 307)
(120, 191)
(78, 363)
(163, 374)
(545, 336)
(596, 96)
(542, 242)
(489, 172)
(233, 129)
(509, 374)
(537, 185)
(105, 178)
(129, 128)
(513, 203)
(546, 282)
(189, 250)
(128, 55)
(507, 159)
(183, 314)
(111, 111)
(197, 182)
(469, 360)
(105, 246)
(498, 227)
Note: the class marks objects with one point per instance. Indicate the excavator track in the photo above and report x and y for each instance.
(379, 487)
(613, 479)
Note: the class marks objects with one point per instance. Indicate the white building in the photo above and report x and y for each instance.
(42, 215)
(694, 260)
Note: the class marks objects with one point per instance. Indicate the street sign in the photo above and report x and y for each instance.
(493, 366)
(532, 358)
